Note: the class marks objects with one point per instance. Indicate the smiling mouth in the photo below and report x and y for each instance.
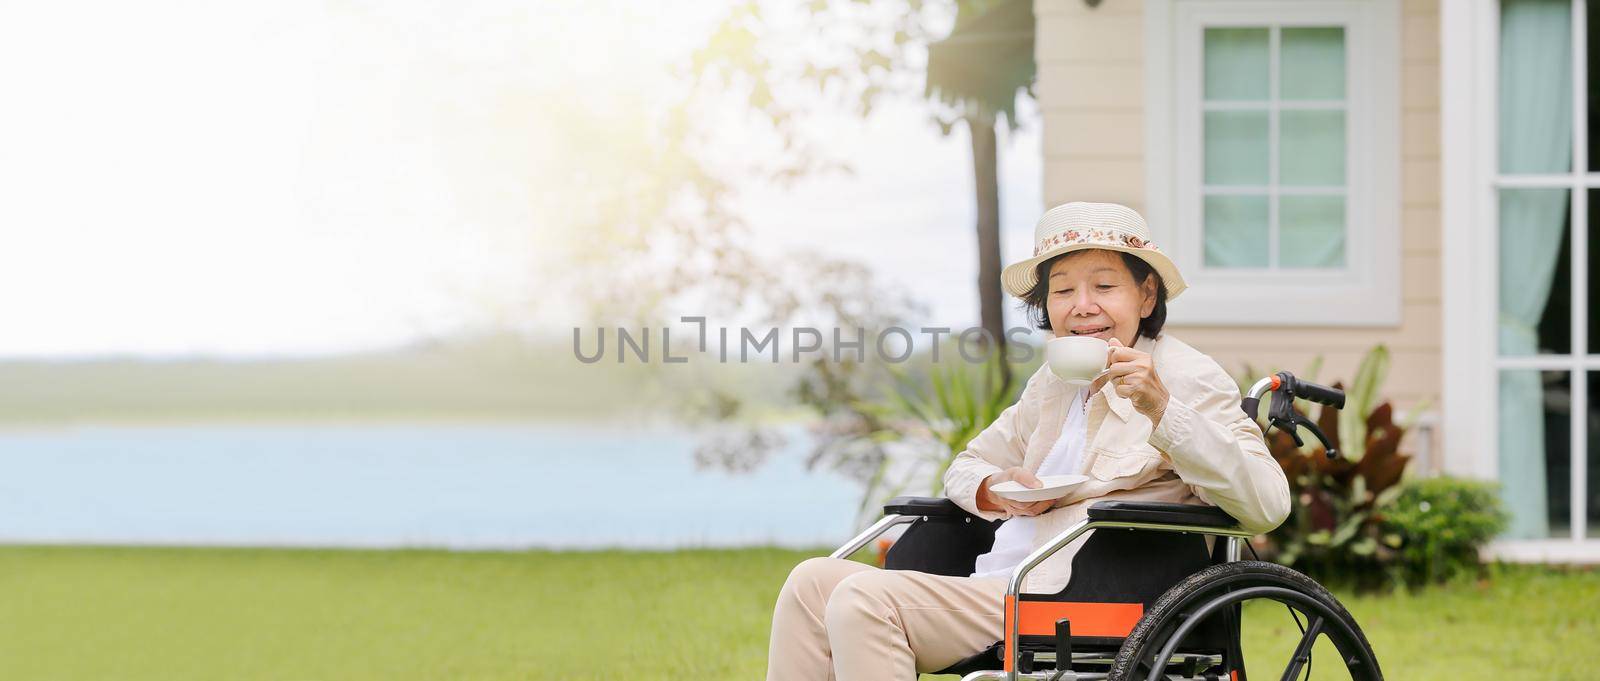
(1091, 332)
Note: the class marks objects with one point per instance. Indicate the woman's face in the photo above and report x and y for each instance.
(1092, 293)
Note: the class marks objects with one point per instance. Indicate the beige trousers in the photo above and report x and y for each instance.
(838, 619)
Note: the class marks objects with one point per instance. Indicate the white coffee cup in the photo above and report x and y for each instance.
(1078, 360)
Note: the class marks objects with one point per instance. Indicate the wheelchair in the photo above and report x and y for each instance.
(1147, 598)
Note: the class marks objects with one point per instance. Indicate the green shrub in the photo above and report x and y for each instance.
(1438, 524)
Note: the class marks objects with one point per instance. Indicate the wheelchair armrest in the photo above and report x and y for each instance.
(932, 507)
(1161, 512)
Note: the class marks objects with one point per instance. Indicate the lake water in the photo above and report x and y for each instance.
(467, 486)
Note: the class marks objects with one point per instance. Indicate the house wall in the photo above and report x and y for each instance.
(1091, 96)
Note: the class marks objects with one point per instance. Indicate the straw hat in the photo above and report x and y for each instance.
(1080, 225)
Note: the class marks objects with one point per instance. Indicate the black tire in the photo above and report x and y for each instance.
(1215, 583)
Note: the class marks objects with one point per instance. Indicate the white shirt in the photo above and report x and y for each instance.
(1013, 541)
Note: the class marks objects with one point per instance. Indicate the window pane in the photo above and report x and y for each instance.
(1311, 64)
(1555, 325)
(1236, 64)
(1311, 231)
(1311, 148)
(1593, 87)
(1593, 316)
(1535, 86)
(1236, 148)
(1236, 231)
(1535, 451)
(1592, 478)
(1535, 310)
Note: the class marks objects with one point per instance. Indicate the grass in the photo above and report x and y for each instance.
(169, 613)
(1516, 621)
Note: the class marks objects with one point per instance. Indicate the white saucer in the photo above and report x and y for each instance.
(1081, 382)
(1055, 487)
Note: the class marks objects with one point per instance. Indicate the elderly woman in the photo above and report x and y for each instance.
(1162, 424)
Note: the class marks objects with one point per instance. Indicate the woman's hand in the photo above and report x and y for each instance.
(1135, 373)
(989, 501)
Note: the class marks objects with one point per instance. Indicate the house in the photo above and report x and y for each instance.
(1333, 174)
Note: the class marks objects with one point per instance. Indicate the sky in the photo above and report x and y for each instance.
(300, 178)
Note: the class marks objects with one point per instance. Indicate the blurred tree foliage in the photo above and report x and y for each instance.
(967, 60)
(775, 68)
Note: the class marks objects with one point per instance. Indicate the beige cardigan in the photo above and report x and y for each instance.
(1204, 451)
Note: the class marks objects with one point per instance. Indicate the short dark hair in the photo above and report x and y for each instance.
(1150, 327)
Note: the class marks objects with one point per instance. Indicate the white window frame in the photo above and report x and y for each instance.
(1366, 292)
(1470, 185)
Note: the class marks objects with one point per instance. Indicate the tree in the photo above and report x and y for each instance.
(978, 71)
(870, 49)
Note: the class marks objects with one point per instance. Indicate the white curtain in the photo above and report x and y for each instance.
(1535, 137)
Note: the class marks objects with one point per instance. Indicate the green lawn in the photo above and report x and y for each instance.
(139, 613)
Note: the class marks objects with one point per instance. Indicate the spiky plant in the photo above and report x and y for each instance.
(1335, 528)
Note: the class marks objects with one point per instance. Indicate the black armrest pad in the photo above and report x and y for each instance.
(1161, 512)
(933, 507)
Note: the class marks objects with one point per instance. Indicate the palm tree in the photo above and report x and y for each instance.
(978, 71)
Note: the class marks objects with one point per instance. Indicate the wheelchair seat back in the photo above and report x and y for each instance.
(1116, 576)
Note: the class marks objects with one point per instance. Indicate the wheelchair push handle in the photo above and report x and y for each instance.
(1285, 389)
(1320, 394)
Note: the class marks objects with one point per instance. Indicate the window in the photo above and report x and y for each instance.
(1546, 353)
(1521, 177)
(1273, 184)
(1273, 157)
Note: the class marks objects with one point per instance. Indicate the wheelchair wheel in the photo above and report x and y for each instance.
(1148, 652)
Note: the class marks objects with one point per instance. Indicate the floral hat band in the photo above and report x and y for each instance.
(1079, 226)
(1092, 235)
